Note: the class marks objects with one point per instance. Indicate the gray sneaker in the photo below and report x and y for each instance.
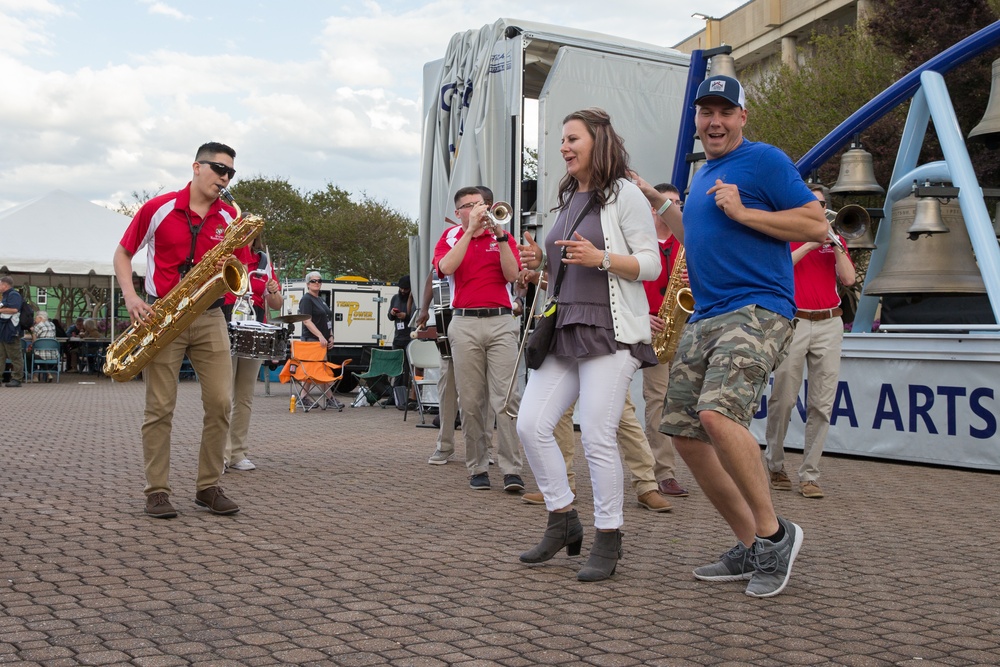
(773, 561)
(439, 458)
(734, 565)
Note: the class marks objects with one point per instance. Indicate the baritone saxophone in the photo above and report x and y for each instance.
(677, 306)
(199, 289)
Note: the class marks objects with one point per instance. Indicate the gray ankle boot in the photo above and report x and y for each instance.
(564, 530)
(604, 556)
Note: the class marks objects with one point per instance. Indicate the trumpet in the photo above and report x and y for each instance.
(500, 213)
(851, 222)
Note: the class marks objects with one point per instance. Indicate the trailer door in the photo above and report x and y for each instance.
(643, 97)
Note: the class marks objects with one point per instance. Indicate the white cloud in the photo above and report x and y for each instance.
(163, 9)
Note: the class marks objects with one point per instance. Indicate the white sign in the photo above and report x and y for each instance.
(933, 399)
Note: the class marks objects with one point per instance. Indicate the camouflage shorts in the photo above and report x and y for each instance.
(723, 364)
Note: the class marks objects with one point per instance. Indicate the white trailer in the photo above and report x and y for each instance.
(500, 81)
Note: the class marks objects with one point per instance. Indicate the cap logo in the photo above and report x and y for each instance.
(717, 86)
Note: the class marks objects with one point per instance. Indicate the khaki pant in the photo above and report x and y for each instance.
(817, 344)
(484, 356)
(245, 372)
(206, 343)
(13, 351)
(655, 381)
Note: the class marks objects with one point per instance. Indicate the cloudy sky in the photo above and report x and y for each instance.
(103, 98)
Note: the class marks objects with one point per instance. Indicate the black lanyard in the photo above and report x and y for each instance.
(195, 230)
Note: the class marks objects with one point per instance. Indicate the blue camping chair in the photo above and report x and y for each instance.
(46, 357)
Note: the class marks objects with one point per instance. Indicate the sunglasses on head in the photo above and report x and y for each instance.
(219, 168)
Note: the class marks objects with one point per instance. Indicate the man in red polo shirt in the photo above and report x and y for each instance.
(481, 262)
(656, 378)
(819, 332)
(177, 228)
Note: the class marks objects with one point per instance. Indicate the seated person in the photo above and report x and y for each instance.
(43, 328)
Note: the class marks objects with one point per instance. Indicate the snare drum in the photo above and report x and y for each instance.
(442, 320)
(442, 315)
(255, 340)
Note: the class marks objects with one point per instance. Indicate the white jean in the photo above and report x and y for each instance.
(601, 384)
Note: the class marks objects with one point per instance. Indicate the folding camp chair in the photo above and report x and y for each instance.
(313, 379)
(376, 382)
(424, 354)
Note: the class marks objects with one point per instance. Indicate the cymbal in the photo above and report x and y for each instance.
(290, 319)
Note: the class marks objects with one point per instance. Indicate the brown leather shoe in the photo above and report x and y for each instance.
(780, 481)
(652, 500)
(537, 498)
(810, 489)
(533, 498)
(670, 487)
(158, 506)
(216, 501)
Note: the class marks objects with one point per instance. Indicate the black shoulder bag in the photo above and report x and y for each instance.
(540, 339)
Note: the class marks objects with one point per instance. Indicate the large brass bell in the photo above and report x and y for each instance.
(927, 219)
(939, 263)
(722, 64)
(988, 129)
(857, 173)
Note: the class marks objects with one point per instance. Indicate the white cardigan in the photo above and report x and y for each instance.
(628, 228)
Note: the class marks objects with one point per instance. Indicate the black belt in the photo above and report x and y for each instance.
(482, 312)
(819, 315)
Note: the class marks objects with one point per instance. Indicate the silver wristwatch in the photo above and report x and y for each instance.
(606, 262)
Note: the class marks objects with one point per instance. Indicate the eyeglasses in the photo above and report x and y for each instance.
(471, 204)
(315, 281)
(219, 168)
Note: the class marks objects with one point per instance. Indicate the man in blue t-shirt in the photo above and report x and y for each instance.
(746, 204)
(10, 331)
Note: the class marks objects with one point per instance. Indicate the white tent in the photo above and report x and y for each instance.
(60, 239)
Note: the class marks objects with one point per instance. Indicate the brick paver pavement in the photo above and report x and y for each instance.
(351, 550)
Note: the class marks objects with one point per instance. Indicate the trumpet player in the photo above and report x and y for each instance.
(179, 228)
(819, 333)
(481, 259)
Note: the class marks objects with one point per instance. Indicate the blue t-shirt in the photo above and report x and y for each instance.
(9, 331)
(731, 265)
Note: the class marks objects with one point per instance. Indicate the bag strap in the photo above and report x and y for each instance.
(579, 219)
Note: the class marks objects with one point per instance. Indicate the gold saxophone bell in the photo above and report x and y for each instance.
(500, 213)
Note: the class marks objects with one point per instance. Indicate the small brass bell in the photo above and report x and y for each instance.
(988, 129)
(927, 218)
(722, 64)
(857, 173)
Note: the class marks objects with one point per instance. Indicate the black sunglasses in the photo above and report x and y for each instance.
(315, 281)
(219, 168)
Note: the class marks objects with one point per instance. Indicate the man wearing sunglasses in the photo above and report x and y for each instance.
(481, 261)
(178, 228)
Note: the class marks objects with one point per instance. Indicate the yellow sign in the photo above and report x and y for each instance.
(354, 312)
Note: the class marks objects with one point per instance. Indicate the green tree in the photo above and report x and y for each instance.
(918, 30)
(794, 110)
(285, 214)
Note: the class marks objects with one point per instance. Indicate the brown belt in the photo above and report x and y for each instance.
(817, 315)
